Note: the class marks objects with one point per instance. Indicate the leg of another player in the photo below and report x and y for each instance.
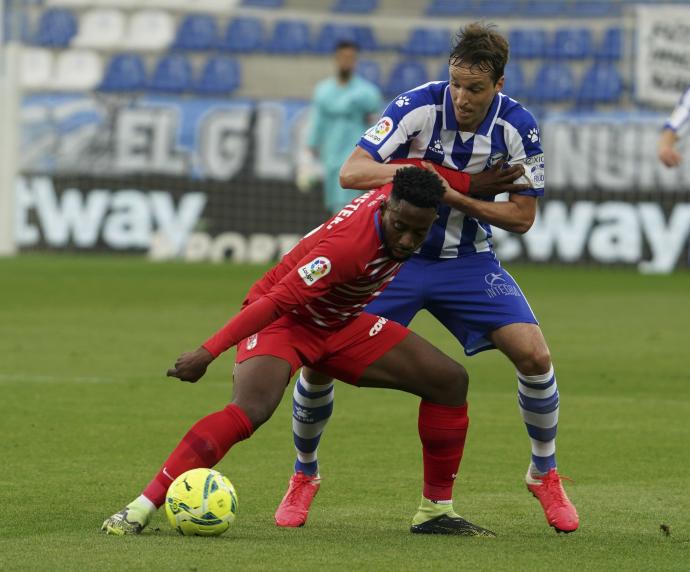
(417, 367)
(312, 406)
(538, 400)
(259, 384)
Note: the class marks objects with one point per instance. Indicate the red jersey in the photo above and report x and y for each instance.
(327, 278)
(336, 269)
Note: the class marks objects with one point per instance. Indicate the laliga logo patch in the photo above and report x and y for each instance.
(315, 270)
(252, 341)
(378, 132)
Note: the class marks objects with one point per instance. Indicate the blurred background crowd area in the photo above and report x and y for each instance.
(564, 53)
(177, 127)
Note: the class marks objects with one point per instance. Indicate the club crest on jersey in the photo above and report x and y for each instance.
(380, 131)
(314, 270)
(252, 341)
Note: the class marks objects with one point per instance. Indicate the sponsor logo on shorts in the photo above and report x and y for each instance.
(314, 270)
(252, 341)
(377, 327)
(498, 286)
(378, 132)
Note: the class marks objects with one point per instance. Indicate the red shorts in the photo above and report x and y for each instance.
(340, 353)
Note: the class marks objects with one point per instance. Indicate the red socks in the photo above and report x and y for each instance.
(442, 430)
(204, 445)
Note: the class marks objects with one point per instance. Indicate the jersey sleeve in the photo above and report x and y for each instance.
(523, 140)
(678, 120)
(401, 121)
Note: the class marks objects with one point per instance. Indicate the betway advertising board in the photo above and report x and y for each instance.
(207, 180)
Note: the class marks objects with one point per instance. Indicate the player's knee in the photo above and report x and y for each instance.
(537, 362)
(257, 411)
(452, 384)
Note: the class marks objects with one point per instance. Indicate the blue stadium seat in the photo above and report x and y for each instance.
(515, 85)
(404, 76)
(243, 35)
(331, 34)
(572, 44)
(443, 74)
(197, 32)
(220, 76)
(125, 72)
(611, 46)
(355, 6)
(289, 37)
(263, 3)
(553, 82)
(366, 39)
(56, 28)
(595, 9)
(546, 8)
(427, 42)
(371, 70)
(601, 83)
(451, 8)
(500, 8)
(173, 74)
(528, 43)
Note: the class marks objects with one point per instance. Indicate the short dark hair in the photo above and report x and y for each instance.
(479, 45)
(418, 187)
(343, 44)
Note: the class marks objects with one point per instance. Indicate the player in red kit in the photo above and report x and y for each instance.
(307, 310)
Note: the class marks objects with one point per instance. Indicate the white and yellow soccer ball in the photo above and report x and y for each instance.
(201, 502)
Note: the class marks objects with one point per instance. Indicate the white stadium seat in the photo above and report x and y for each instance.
(217, 6)
(101, 28)
(36, 68)
(150, 30)
(78, 70)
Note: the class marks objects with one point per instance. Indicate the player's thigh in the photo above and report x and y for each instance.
(416, 366)
(259, 384)
(525, 346)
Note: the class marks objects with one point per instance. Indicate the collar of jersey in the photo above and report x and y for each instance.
(450, 122)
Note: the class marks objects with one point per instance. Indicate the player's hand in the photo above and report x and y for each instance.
(191, 366)
(669, 156)
(496, 180)
(429, 166)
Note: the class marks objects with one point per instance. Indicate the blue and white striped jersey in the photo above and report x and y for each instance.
(421, 124)
(678, 120)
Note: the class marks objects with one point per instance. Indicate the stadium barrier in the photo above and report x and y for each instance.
(214, 180)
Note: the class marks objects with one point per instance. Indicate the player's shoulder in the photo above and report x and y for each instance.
(427, 94)
(516, 115)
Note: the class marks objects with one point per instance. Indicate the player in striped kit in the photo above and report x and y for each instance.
(309, 310)
(465, 124)
(674, 128)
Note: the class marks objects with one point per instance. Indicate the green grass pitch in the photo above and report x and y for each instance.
(88, 416)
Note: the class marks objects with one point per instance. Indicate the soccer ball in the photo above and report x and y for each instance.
(201, 502)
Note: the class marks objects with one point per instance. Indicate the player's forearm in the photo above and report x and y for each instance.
(510, 216)
(249, 321)
(668, 139)
(364, 174)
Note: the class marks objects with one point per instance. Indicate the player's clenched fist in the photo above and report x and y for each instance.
(191, 366)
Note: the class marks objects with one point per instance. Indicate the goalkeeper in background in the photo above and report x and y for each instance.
(343, 107)
(676, 125)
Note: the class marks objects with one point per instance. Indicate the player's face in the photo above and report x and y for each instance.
(345, 61)
(472, 91)
(405, 227)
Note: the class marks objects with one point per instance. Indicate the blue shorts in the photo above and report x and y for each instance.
(471, 296)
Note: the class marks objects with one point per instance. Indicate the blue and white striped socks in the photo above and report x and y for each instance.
(538, 401)
(312, 406)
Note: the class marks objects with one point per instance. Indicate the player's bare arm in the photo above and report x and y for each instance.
(668, 154)
(361, 172)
